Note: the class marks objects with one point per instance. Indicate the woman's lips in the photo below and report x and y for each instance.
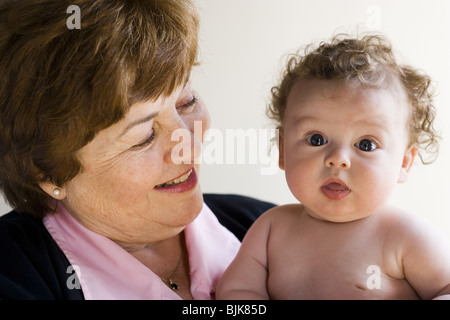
(183, 183)
(335, 190)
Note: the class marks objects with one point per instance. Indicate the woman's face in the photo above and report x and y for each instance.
(127, 189)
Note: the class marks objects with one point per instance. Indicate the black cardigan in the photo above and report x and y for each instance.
(32, 266)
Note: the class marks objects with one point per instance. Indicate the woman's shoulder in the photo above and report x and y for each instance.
(236, 212)
(20, 228)
(32, 266)
(15, 218)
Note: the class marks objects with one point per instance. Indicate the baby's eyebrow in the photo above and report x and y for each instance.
(305, 119)
(374, 122)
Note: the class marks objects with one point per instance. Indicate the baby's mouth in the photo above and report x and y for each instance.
(335, 190)
(335, 186)
(176, 181)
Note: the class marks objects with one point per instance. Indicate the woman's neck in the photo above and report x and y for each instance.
(169, 260)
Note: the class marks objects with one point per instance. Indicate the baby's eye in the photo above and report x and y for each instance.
(366, 145)
(316, 140)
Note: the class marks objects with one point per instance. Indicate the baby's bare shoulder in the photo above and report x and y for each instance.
(400, 218)
(282, 212)
(281, 219)
(409, 226)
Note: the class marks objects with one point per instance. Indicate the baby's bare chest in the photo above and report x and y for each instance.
(321, 265)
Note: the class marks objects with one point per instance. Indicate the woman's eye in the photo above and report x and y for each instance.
(147, 141)
(188, 104)
(316, 140)
(366, 145)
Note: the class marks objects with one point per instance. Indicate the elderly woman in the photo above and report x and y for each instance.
(101, 210)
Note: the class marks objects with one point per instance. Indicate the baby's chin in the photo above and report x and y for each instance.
(337, 217)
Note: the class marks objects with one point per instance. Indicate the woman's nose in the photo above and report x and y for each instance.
(185, 143)
(339, 158)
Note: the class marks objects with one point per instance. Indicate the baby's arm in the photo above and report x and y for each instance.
(246, 277)
(426, 261)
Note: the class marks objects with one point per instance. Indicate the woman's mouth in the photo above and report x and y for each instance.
(179, 180)
(335, 190)
(183, 183)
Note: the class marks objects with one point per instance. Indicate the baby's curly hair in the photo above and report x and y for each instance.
(369, 60)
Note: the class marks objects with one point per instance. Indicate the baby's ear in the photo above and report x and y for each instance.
(408, 160)
(280, 148)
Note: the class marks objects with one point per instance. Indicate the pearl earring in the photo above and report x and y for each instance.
(56, 192)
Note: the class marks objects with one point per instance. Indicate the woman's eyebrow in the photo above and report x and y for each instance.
(150, 116)
(138, 122)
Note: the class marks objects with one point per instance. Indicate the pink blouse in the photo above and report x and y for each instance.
(107, 271)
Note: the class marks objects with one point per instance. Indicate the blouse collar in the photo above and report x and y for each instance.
(107, 271)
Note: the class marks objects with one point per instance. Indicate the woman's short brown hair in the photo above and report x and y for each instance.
(370, 61)
(59, 87)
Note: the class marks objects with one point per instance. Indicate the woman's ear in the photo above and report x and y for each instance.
(53, 190)
(408, 160)
(280, 147)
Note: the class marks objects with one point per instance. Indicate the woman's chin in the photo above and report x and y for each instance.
(189, 209)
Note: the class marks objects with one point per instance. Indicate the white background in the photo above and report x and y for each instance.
(242, 43)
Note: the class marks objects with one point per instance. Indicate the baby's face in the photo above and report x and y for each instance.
(344, 148)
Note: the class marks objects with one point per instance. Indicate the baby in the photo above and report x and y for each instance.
(351, 122)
